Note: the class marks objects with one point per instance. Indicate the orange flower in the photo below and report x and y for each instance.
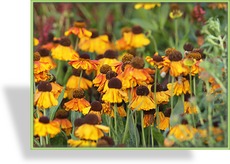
(40, 66)
(84, 62)
(156, 60)
(79, 30)
(149, 118)
(42, 76)
(56, 89)
(179, 87)
(78, 103)
(162, 96)
(61, 117)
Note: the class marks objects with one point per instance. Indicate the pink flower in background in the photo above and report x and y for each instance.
(198, 13)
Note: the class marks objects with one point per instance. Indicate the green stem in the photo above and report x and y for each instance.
(67, 74)
(115, 122)
(172, 89)
(152, 138)
(190, 81)
(73, 117)
(194, 85)
(59, 73)
(79, 82)
(176, 33)
(142, 128)
(155, 98)
(76, 44)
(209, 116)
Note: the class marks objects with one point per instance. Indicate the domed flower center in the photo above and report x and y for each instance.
(44, 52)
(105, 68)
(157, 58)
(85, 56)
(111, 54)
(137, 30)
(142, 90)
(44, 86)
(61, 113)
(91, 119)
(188, 47)
(78, 93)
(175, 56)
(115, 83)
(44, 120)
(65, 42)
(138, 62)
(37, 56)
(167, 112)
(127, 58)
(96, 106)
(79, 24)
(110, 74)
(78, 122)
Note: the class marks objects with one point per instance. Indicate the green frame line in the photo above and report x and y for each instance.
(115, 148)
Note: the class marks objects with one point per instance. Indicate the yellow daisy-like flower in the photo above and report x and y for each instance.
(64, 51)
(175, 11)
(81, 143)
(84, 62)
(36, 41)
(79, 30)
(162, 96)
(147, 6)
(114, 94)
(43, 127)
(56, 89)
(179, 87)
(95, 43)
(62, 118)
(121, 43)
(40, 66)
(156, 60)
(136, 38)
(182, 132)
(148, 118)
(78, 103)
(165, 120)
(43, 97)
(51, 44)
(142, 101)
(188, 107)
(46, 58)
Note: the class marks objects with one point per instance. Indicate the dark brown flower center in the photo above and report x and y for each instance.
(127, 58)
(44, 86)
(105, 68)
(96, 106)
(78, 122)
(61, 113)
(111, 54)
(78, 93)
(98, 57)
(157, 58)
(175, 56)
(184, 122)
(50, 37)
(94, 34)
(142, 90)
(76, 72)
(188, 47)
(65, 42)
(85, 56)
(150, 112)
(167, 112)
(159, 87)
(115, 83)
(44, 120)
(44, 52)
(110, 74)
(37, 56)
(137, 30)
(138, 62)
(109, 140)
(91, 119)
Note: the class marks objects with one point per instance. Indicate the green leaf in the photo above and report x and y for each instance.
(121, 128)
(163, 14)
(147, 25)
(59, 141)
(54, 108)
(133, 133)
(158, 136)
(176, 112)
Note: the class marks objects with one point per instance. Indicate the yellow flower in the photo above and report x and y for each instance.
(156, 60)
(142, 101)
(84, 62)
(42, 76)
(46, 58)
(79, 30)
(134, 38)
(180, 86)
(78, 103)
(44, 98)
(91, 129)
(43, 127)
(147, 6)
(189, 108)
(162, 96)
(36, 41)
(165, 120)
(81, 143)
(56, 89)
(175, 14)
(95, 43)
(64, 51)
(148, 118)
(114, 94)
(182, 132)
